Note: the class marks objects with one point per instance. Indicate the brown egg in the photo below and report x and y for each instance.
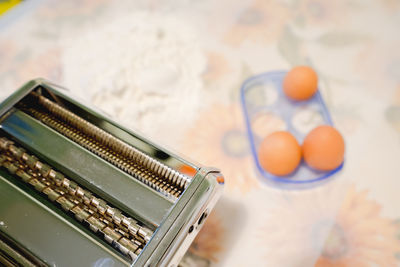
(279, 153)
(323, 148)
(300, 83)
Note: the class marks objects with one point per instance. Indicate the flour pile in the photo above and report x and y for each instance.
(144, 70)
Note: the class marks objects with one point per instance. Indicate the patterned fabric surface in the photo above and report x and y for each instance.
(172, 70)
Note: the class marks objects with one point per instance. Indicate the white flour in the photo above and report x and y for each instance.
(144, 70)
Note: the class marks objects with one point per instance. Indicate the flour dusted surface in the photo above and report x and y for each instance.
(144, 70)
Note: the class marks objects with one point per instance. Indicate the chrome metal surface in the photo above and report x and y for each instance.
(102, 120)
(12, 254)
(89, 170)
(88, 184)
(191, 205)
(45, 233)
(166, 173)
(123, 232)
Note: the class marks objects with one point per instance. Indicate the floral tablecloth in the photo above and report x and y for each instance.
(172, 70)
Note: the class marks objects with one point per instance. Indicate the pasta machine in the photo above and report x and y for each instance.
(78, 189)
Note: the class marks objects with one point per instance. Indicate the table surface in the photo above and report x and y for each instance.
(172, 70)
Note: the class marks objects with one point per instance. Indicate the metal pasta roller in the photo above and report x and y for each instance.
(77, 189)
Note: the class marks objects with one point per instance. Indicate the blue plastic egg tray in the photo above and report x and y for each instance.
(267, 109)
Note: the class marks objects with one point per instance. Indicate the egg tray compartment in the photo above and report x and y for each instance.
(262, 98)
